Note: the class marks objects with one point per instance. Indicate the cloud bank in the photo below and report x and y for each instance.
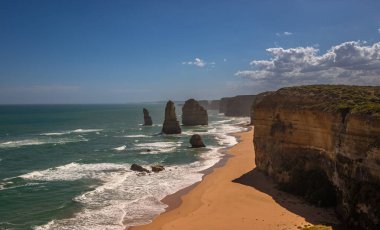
(352, 62)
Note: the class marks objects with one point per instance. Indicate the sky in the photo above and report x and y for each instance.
(92, 51)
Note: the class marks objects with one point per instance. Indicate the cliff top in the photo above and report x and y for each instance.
(353, 99)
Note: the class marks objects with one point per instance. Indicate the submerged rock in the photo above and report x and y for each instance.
(196, 141)
(138, 168)
(193, 113)
(157, 168)
(147, 119)
(171, 124)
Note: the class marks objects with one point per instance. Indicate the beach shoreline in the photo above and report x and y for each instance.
(225, 199)
(174, 200)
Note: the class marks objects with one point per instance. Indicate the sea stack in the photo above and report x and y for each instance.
(193, 113)
(147, 118)
(171, 125)
(196, 141)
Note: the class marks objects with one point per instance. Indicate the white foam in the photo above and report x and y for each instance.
(73, 171)
(124, 199)
(136, 136)
(121, 148)
(28, 142)
(54, 134)
(72, 131)
(86, 130)
(158, 147)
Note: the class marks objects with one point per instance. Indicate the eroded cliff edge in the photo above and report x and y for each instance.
(323, 143)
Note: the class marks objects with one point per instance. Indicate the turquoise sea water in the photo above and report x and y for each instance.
(67, 166)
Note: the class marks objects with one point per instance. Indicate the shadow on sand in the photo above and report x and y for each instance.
(296, 205)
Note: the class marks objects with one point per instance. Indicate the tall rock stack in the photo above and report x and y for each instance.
(171, 125)
(147, 119)
(193, 113)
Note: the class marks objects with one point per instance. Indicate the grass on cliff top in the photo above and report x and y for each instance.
(317, 227)
(354, 99)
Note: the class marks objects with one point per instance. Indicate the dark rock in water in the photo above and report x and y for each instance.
(171, 125)
(157, 168)
(193, 113)
(147, 119)
(138, 168)
(196, 141)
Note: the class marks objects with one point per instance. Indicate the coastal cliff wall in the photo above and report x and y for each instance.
(238, 106)
(323, 143)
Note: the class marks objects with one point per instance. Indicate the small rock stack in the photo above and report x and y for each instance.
(147, 119)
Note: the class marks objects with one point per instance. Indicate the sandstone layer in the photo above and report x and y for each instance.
(171, 124)
(323, 143)
(194, 114)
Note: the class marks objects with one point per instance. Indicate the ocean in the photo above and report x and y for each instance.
(67, 166)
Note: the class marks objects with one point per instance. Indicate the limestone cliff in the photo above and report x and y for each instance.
(323, 143)
(193, 113)
(256, 100)
(214, 105)
(238, 106)
(171, 124)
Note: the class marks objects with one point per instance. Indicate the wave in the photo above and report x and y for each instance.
(136, 136)
(158, 147)
(28, 142)
(71, 131)
(124, 198)
(86, 130)
(54, 134)
(121, 148)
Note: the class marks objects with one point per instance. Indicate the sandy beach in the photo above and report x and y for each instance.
(238, 196)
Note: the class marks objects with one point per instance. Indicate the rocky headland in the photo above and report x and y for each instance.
(238, 106)
(194, 114)
(171, 124)
(323, 143)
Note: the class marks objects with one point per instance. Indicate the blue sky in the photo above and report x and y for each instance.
(130, 51)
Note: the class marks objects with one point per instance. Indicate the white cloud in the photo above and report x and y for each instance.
(197, 62)
(378, 30)
(286, 33)
(347, 63)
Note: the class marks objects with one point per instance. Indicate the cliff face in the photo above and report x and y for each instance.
(257, 99)
(323, 142)
(193, 113)
(238, 106)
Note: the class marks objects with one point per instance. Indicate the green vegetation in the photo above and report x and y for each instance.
(354, 99)
(317, 227)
